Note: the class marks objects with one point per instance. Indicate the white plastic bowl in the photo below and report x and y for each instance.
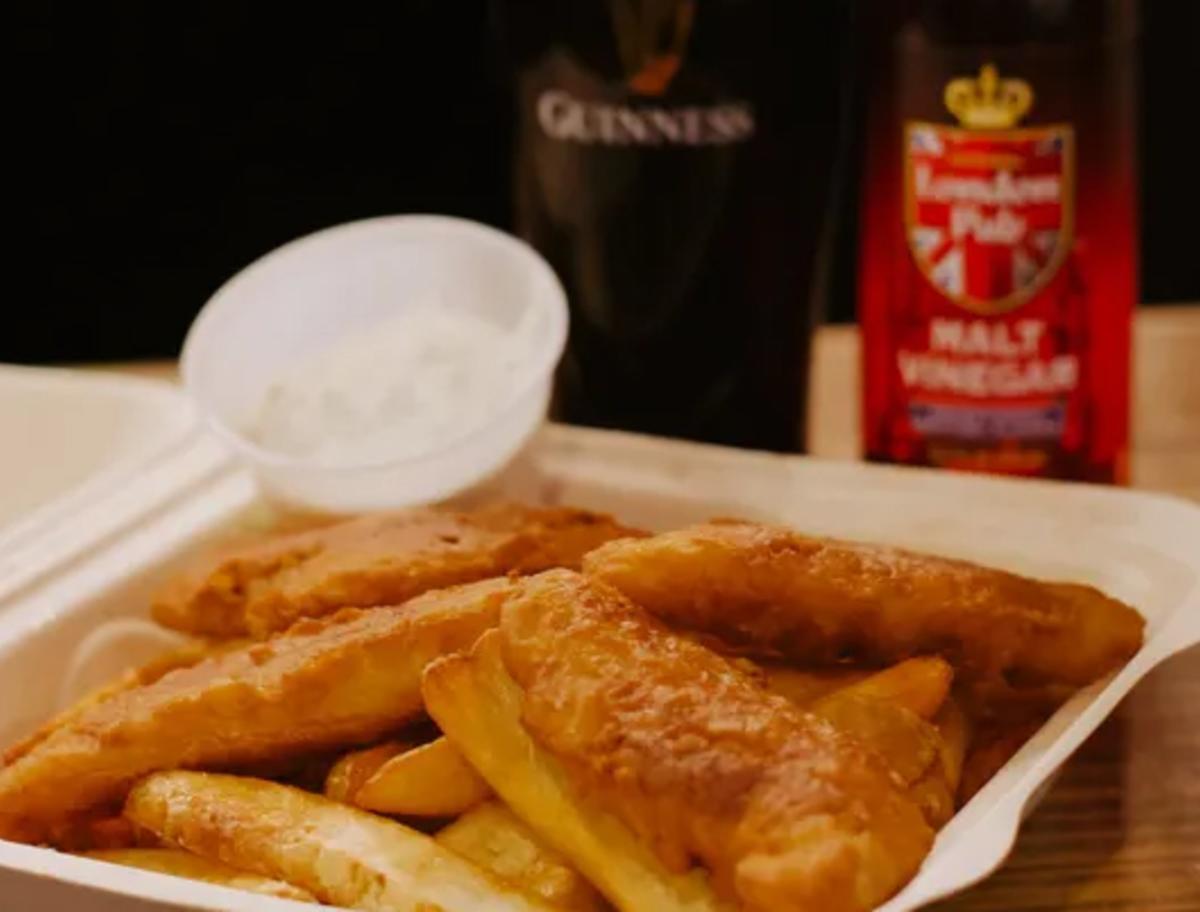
(303, 297)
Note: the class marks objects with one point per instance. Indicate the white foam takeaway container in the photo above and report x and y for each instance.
(74, 586)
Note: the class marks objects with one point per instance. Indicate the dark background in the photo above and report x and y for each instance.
(161, 147)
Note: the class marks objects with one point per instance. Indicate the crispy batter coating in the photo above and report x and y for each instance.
(381, 559)
(478, 705)
(343, 680)
(184, 656)
(821, 600)
(702, 761)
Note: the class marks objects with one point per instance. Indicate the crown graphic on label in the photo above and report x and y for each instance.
(988, 102)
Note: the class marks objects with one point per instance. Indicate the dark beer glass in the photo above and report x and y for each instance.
(673, 162)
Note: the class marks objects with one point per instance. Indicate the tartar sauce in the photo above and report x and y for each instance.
(402, 388)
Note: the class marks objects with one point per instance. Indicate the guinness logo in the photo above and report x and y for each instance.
(571, 119)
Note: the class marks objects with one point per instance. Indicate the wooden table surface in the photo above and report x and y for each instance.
(1120, 831)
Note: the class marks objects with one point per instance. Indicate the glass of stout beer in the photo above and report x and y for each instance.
(673, 162)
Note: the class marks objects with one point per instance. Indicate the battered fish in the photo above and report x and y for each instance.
(382, 559)
(184, 656)
(819, 600)
(703, 763)
(344, 680)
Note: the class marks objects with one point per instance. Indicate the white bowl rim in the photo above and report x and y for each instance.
(538, 368)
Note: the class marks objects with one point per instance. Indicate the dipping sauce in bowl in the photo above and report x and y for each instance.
(405, 387)
(381, 363)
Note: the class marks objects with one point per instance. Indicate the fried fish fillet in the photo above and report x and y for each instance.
(185, 656)
(344, 680)
(382, 559)
(820, 600)
(695, 757)
(478, 704)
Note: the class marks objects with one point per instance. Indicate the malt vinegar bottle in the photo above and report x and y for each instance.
(998, 247)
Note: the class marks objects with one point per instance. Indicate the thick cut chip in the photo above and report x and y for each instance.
(888, 712)
(339, 854)
(431, 780)
(193, 867)
(349, 773)
(683, 752)
(494, 838)
(97, 832)
(994, 745)
(954, 730)
(820, 600)
(908, 744)
(920, 685)
(877, 717)
(340, 681)
(804, 686)
(380, 559)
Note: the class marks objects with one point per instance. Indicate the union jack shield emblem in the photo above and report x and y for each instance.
(989, 214)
